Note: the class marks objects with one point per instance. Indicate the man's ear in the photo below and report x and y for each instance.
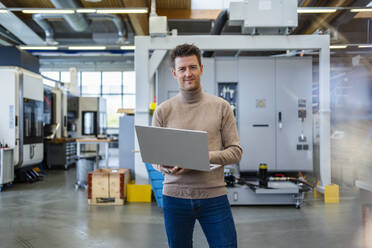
(201, 69)
(173, 72)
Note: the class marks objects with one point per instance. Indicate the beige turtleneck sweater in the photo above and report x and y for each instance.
(197, 110)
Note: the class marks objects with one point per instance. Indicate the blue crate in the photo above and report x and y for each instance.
(155, 175)
(157, 184)
(156, 181)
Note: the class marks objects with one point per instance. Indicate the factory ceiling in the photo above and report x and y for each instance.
(181, 16)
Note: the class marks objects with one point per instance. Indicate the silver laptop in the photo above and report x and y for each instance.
(174, 147)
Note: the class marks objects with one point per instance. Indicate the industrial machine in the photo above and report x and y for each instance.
(92, 117)
(55, 112)
(271, 98)
(6, 167)
(59, 149)
(275, 129)
(22, 123)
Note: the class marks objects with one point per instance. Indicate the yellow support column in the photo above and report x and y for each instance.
(331, 194)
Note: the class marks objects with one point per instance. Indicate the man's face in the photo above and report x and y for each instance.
(187, 71)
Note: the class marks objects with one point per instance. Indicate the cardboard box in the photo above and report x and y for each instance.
(107, 186)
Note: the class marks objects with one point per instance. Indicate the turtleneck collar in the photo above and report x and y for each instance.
(192, 96)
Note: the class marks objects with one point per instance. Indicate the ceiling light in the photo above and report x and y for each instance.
(48, 11)
(365, 46)
(128, 47)
(123, 11)
(38, 47)
(86, 10)
(337, 46)
(316, 10)
(361, 10)
(86, 48)
(3, 11)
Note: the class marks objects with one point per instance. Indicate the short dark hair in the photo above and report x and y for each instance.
(185, 50)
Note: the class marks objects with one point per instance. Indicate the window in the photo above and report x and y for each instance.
(113, 103)
(129, 101)
(118, 88)
(65, 76)
(111, 82)
(50, 74)
(91, 83)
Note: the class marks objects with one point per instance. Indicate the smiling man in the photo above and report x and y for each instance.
(190, 195)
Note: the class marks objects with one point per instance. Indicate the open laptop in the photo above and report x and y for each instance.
(174, 147)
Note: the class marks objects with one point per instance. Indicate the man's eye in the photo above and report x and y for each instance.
(181, 69)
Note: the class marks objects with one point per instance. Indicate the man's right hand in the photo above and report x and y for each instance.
(166, 169)
(173, 170)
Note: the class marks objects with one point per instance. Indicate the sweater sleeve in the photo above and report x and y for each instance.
(156, 122)
(232, 151)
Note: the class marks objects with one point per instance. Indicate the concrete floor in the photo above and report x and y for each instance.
(51, 213)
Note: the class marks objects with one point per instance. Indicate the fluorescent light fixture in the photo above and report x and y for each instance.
(123, 11)
(365, 46)
(48, 11)
(86, 10)
(38, 47)
(87, 48)
(3, 11)
(128, 47)
(361, 10)
(316, 10)
(337, 46)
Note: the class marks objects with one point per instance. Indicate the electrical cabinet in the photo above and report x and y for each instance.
(276, 121)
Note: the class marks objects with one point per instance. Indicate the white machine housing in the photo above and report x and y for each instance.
(60, 111)
(265, 15)
(19, 88)
(95, 105)
(158, 26)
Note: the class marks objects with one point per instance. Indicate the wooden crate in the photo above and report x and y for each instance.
(107, 186)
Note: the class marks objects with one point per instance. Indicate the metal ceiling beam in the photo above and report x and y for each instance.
(3, 42)
(140, 23)
(195, 14)
(324, 19)
(17, 27)
(346, 16)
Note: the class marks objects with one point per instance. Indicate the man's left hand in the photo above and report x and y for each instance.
(178, 171)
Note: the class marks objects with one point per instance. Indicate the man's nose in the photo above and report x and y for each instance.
(188, 72)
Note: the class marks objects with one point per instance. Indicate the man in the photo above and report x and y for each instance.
(190, 195)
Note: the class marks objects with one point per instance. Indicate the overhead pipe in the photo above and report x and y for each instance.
(122, 33)
(49, 33)
(153, 8)
(48, 30)
(217, 28)
(77, 21)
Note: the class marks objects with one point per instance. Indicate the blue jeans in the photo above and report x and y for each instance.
(213, 214)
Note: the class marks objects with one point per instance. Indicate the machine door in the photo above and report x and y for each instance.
(32, 121)
(89, 123)
(257, 113)
(294, 114)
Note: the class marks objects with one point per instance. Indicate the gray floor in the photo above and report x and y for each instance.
(51, 213)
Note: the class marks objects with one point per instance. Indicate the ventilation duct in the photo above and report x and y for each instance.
(76, 21)
(41, 19)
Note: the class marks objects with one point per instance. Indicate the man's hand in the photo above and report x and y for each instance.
(175, 170)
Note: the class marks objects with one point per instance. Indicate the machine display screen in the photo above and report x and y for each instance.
(32, 121)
